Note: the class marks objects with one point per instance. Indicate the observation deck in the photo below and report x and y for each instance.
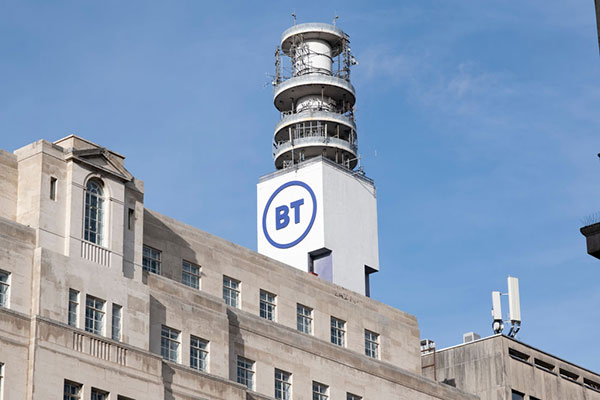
(314, 96)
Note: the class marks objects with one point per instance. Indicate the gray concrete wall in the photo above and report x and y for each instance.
(8, 185)
(486, 368)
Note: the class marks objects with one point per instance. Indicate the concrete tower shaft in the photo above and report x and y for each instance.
(315, 97)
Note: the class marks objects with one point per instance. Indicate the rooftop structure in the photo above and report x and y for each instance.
(502, 368)
(314, 96)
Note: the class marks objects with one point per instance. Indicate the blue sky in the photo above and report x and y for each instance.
(478, 121)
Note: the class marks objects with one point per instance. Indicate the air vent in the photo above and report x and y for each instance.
(591, 384)
(470, 337)
(517, 355)
(544, 365)
(568, 375)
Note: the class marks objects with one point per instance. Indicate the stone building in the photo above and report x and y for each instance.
(502, 368)
(102, 298)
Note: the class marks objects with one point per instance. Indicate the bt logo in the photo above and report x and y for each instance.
(281, 214)
(289, 214)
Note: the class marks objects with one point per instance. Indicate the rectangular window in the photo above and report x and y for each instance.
(283, 385)
(151, 260)
(350, 396)
(98, 394)
(72, 391)
(4, 288)
(267, 305)
(591, 384)
(568, 375)
(245, 372)
(130, 218)
(190, 275)
(53, 181)
(169, 343)
(116, 321)
(338, 331)
(320, 391)
(517, 355)
(544, 365)
(73, 307)
(198, 353)
(517, 395)
(371, 344)
(231, 292)
(304, 318)
(94, 315)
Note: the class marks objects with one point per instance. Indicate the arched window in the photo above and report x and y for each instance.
(94, 213)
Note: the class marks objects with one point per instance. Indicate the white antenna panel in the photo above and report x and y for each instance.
(496, 306)
(514, 303)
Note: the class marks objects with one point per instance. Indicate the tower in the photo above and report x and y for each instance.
(316, 212)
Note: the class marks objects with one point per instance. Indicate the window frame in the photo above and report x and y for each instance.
(155, 263)
(73, 308)
(95, 393)
(303, 319)
(351, 396)
(372, 344)
(201, 359)
(53, 188)
(166, 342)
(94, 313)
(320, 391)
(283, 385)
(229, 290)
(245, 372)
(190, 274)
(5, 289)
(1, 379)
(338, 331)
(116, 326)
(270, 305)
(72, 396)
(97, 235)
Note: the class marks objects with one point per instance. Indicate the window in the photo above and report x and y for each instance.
(1, 378)
(98, 394)
(517, 395)
(533, 398)
(283, 385)
(94, 213)
(72, 391)
(544, 365)
(94, 315)
(304, 318)
(517, 355)
(198, 353)
(4, 286)
(169, 343)
(151, 260)
(568, 375)
(73, 307)
(245, 372)
(338, 331)
(53, 188)
(591, 384)
(267, 305)
(320, 391)
(231, 292)
(130, 218)
(116, 321)
(190, 275)
(371, 344)
(350, 396)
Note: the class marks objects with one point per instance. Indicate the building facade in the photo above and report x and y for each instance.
(102, 298)
(502, 368)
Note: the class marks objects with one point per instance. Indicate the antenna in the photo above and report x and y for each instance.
(294, 15)
(335, 18)
(497, 325)
(514, 308)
